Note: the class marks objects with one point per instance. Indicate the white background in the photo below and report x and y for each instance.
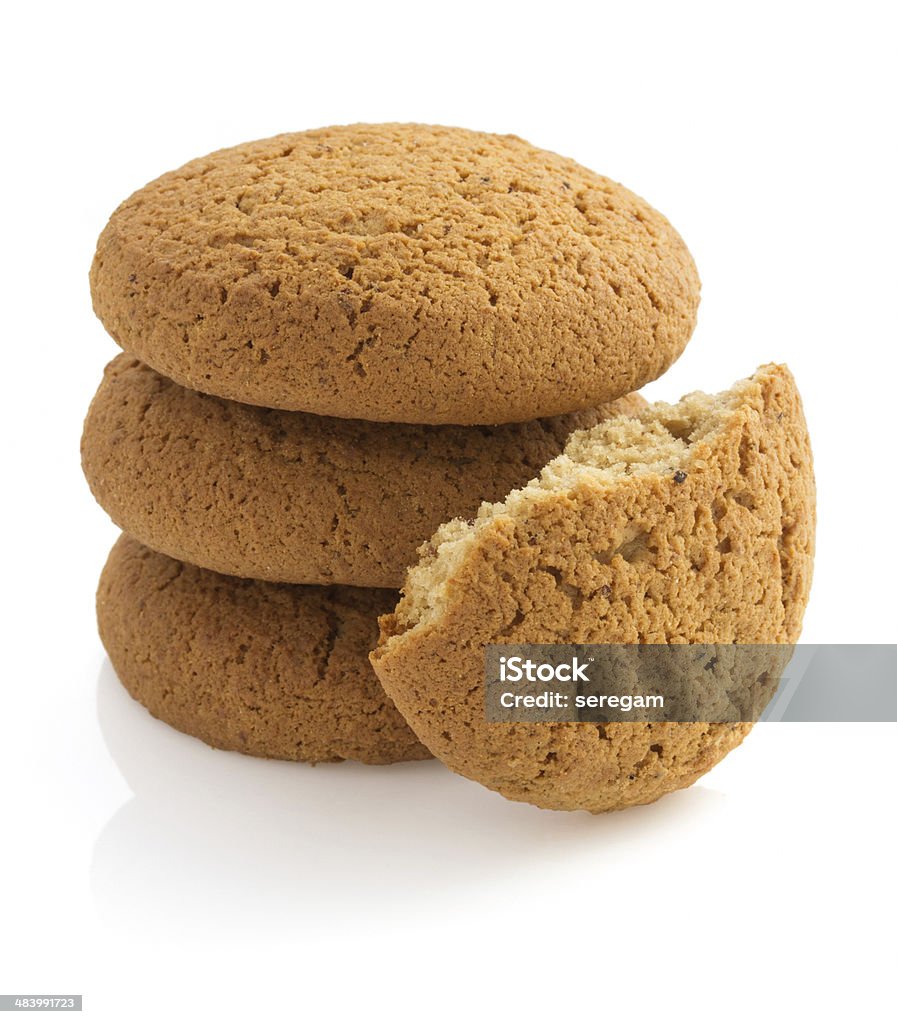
(163, 879)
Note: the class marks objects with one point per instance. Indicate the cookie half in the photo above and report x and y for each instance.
(687, 523)
(265, 669)
(293, 497)
(396, 272)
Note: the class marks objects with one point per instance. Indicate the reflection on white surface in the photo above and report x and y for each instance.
(222, 840)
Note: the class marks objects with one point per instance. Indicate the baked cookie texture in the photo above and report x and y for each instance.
(396, 272)
(294, 497)
(274, 671)
(686, 523)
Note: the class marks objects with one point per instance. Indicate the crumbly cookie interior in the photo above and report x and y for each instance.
(659, 440)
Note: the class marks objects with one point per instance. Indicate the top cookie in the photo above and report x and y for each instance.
(396, 272)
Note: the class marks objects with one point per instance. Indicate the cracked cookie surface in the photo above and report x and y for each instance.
(396, 272)
(293, 497)
(688, 523)
(265, 669)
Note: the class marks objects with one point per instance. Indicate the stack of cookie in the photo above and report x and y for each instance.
(334, 342)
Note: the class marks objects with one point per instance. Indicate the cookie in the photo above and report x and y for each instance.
(687, 523)
(294, 497)
(396, 272)
(265, 669)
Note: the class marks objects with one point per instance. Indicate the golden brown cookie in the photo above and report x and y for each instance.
(687, 523)
(265, 669)
(396, 272)
(293, 497)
